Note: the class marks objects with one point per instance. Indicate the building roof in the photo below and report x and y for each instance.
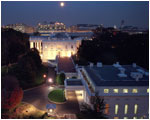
(38, 38)
(65, 64)
(60, 35)
(74, 82)
(51, 106)
(107, 75)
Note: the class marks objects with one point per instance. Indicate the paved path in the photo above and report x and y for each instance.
(38, 97)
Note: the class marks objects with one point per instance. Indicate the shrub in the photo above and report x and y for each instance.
(12, 94)
(60, 79)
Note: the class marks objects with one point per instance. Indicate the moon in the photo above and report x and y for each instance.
(62, 4)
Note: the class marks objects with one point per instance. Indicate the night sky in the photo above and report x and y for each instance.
(106, 13)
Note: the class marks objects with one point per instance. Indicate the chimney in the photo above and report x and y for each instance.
(117, 63)
(134, 65)
(122, 70)
(91, 64)
(99, 64)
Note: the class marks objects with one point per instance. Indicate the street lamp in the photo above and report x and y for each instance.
(44, 76)
(50, 80)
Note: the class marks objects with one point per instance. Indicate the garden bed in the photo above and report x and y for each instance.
(57, 96)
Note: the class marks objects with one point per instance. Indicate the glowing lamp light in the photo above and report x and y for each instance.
(44, 76)
(69, 55)
(50, 80)
(51, 110)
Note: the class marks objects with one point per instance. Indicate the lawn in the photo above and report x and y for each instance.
(57, 96)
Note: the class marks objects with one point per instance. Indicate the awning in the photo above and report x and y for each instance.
(51, 106)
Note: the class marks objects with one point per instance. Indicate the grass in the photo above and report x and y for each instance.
(57, 96)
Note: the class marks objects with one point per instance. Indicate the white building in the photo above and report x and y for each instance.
(125, 89)
(51, 27)
(58, 44)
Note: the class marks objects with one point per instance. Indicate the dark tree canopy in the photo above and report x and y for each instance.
(93, 111)
(109, 46)
(12, 94)
(60, 79)
(28, 67)
(13, 44)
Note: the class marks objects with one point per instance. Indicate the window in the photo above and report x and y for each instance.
(106, 108)
(116, 117)
(148, 90)
(106, 90)
(125, 117)
(126, 109)
(116, 108)
(116, 90)
(134, 117)
(125, 90)
(72, 46)
(134, 90)
(135, 108)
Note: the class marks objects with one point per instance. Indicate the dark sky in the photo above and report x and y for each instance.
(106, 13)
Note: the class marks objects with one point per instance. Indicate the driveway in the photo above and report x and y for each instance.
(39, 98)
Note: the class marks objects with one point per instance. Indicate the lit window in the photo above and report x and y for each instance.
(135, 108)
(116, 117)
(106, 108)
(134, 90)
(116, 90)
(125, 90)
(125, 117)
(134, 117)
(116, 108)
(106, 90)
(126, 109)
(148, 90)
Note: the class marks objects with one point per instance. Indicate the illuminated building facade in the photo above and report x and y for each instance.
(21, 27)
(58, 44)
(51, 27)
(125, 89)
(82, 28)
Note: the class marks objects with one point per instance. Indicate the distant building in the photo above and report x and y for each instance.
(133, 30)
(82, 28)
(125, 89)
(51, 27)
(58, 44)
(21, 27)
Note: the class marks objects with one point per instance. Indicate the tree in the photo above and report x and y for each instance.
(109, 48)
(93, 111)
(34, 54)
(12, 94)
(60, 79)
(26, 70)
(14, 44)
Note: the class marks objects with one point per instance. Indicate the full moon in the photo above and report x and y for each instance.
(62, 4)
